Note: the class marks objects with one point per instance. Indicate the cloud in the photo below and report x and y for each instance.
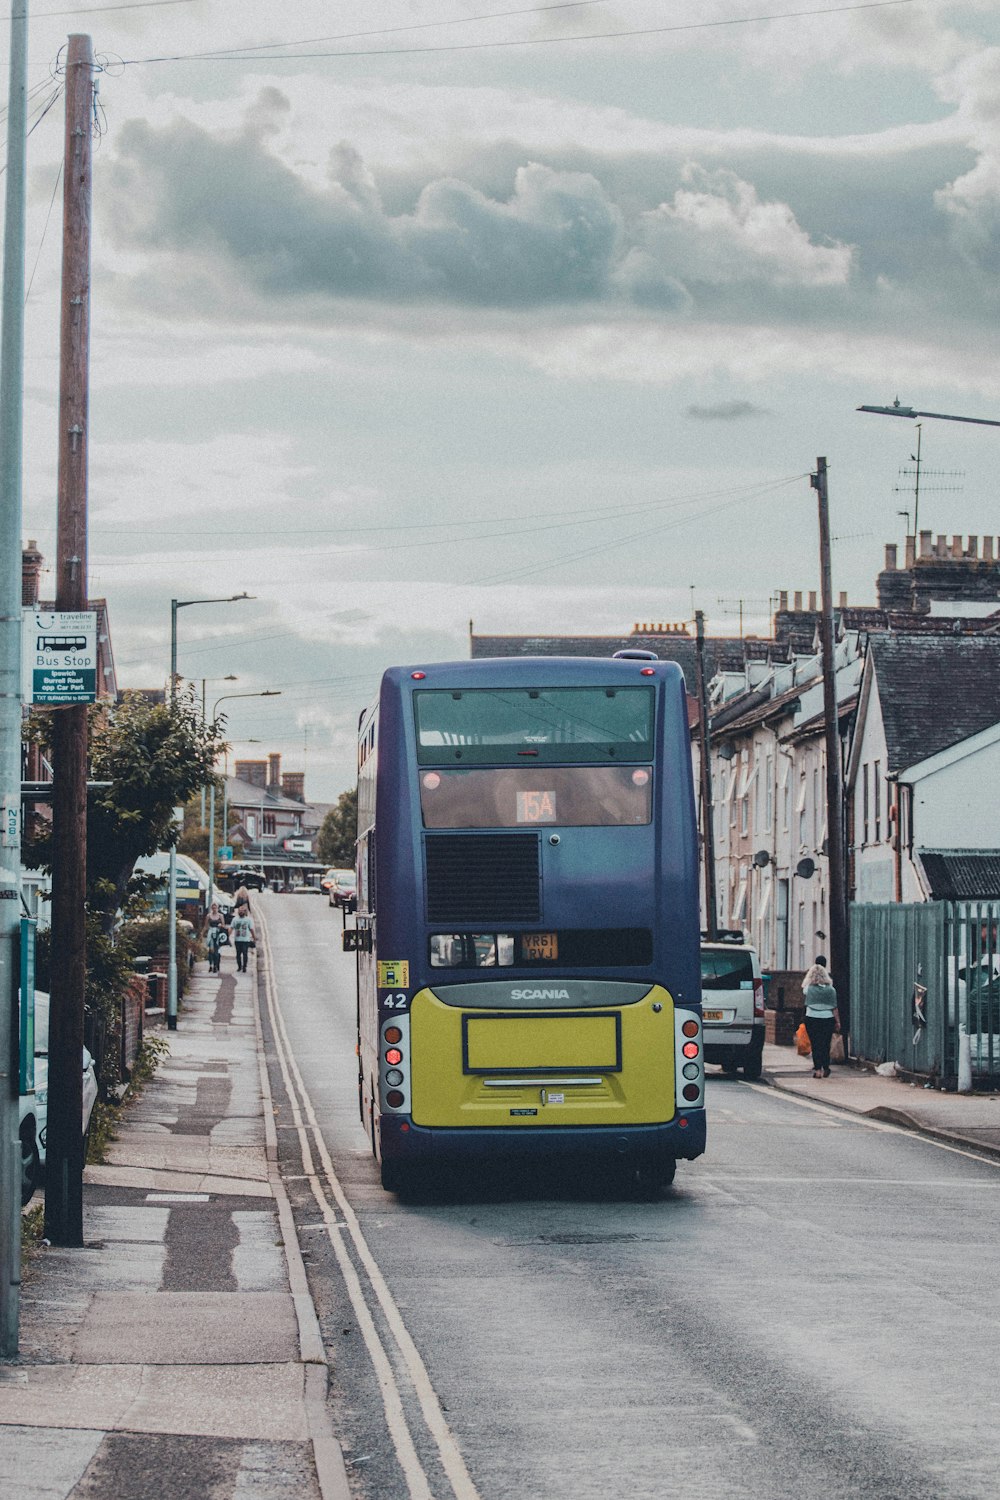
(725, 411)
(242, 218)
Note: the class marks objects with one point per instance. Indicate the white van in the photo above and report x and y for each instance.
(732, 998)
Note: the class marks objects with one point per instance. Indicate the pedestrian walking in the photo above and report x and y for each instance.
(822, 1016)
(242, 898)
(214, 935)
(243, 937)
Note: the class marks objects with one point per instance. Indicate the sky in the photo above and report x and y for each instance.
(411, 313)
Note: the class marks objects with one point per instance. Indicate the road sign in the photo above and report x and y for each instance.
(59, 656)
(226, 852)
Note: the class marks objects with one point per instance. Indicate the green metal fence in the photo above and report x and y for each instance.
(923, 979)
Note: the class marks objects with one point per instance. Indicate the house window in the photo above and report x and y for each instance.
(768, 793)
(800, 808)
(877, 800)
(268, 821)
(864, 803)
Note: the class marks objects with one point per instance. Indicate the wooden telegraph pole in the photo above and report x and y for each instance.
(840, 955)
(64, 1165)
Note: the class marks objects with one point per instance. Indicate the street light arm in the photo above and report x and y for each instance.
(942, 416)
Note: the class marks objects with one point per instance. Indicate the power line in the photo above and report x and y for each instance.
(45, 226)
(247, 55)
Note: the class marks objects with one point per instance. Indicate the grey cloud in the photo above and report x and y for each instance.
(543, 235)
(725, 411)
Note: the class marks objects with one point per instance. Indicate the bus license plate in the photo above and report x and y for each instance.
(711, 1015)
(537, 945)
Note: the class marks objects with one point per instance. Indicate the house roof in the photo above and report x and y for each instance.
(962, 874)
(934, 691)
(244, 794)
(721, 652)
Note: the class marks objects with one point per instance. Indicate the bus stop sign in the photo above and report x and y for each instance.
(59, 656)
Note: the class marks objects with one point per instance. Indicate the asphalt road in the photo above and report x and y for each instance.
(812, 1309)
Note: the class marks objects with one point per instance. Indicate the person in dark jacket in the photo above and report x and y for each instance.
(822, 1016)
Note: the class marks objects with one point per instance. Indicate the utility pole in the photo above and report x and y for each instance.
(707, 827)
(11, 407)
(840, 955)
(64, 1164)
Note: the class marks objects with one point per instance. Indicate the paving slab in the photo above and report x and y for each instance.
(185, 1328)
(251, 1401)
(163, 1180)
(65, 1457)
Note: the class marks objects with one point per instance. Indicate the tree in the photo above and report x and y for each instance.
(335, 845)
(151, 758)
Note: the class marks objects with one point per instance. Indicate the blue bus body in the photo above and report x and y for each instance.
(619, 903)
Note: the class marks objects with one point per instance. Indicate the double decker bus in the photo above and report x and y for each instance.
(527, 930)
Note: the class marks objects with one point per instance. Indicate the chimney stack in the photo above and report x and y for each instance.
(798, 601)
(911, 551)
(973, 546)
(987, 549)
(957, 550)
(783, 599)
(293, 784)
(890, 557)
(843, 600)
(31, 572)
(812, 600)
(274, 771)
(925, 544)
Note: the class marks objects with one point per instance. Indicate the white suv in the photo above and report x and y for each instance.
(732, 997)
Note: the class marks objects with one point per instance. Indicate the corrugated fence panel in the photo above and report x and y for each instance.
(949, 950)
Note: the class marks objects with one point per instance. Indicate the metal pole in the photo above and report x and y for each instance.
(211, 843)
(840, 958)
(11, 408)
(172, 875)
(707, 828)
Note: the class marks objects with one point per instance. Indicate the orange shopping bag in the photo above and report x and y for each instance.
(803, 1045)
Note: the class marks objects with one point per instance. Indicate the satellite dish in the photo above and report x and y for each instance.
(761, 858)
(726, 752)
(805, 868)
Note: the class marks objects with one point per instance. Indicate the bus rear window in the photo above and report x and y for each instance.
(507, 725)
(571, 796)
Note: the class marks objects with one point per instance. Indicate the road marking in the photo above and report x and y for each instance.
(909, 1182)
(451, 1458)
(882, 1125)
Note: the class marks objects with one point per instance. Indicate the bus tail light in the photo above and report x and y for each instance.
(690, 1049)
(394, 1098)
(758, 998)
(392, 1034)
(690, 1061)
(394, 1083)
(393, 1057)
(691, 1091)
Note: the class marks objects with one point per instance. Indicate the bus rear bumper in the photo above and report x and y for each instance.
(402, 1140)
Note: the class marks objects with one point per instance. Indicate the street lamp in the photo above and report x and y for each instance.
(896, 410)
(175, 605)
(267, 693)
(229, 677)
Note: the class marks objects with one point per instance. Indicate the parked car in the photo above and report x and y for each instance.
(732, 1005)
(34, 1108)
(343, 891)
(327, 878)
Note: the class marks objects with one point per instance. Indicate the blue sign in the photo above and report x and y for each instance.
(225, 852)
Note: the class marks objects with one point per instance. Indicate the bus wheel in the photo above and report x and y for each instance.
(649, 1178)
(394, 1176)
(31, 1168)
(730, 1068)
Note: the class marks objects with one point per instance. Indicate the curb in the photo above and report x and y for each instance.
(328, 1456)
(886, 1114)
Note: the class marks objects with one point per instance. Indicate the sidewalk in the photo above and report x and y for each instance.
(178, 1353)
(968, 1120)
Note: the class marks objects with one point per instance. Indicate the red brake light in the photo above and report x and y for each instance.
(648, 671)
(393, 1056)
(418, 676)
(689, 1049)
(758, 997)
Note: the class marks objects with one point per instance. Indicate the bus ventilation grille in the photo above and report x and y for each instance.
(483, 878)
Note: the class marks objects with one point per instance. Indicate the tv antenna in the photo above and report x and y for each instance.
(917, 474)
